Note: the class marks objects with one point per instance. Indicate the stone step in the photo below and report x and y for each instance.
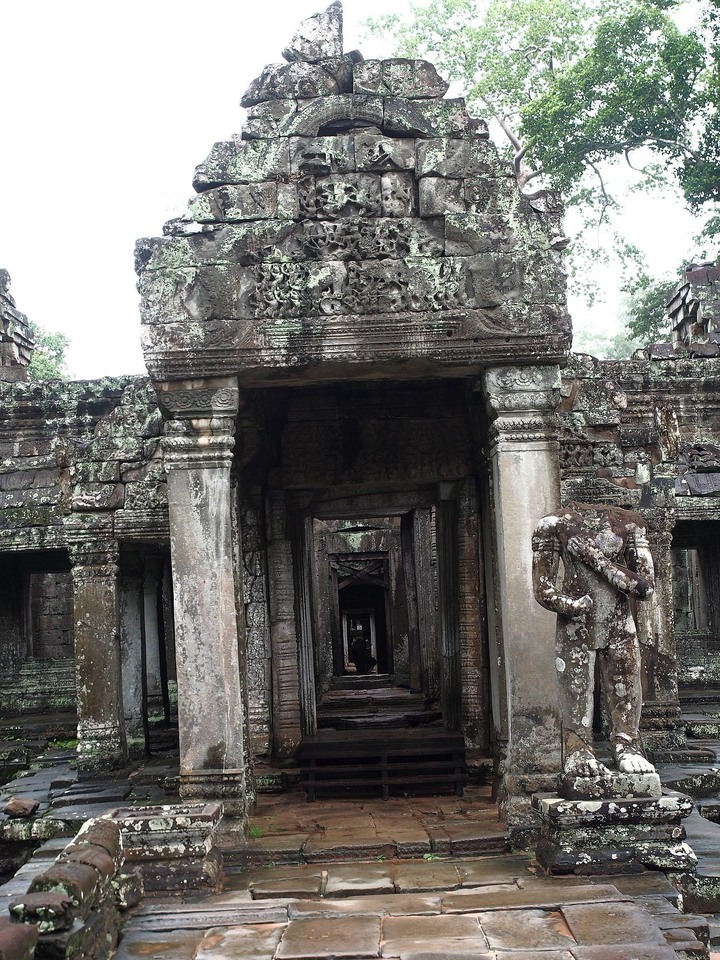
(368, 681)
(394, 720)
(696, 781)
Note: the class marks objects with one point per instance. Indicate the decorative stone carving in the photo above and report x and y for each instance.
(442, 157)
(265, 119)
(606, 563)
(244, 162)
(432, 118)
(399, 78)
(373, 151)
(398, 195)
(439, 196)
(233, 203)
(215, 400)
(322, 155)
(302, 81)
(341, 112)
(522, 400)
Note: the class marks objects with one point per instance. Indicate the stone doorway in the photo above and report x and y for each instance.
(361, 634)
(377, 577)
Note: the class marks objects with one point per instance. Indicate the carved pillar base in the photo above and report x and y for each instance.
(101, 730)
(525, 485)
(226, 786)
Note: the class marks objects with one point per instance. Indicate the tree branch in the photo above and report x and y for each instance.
(607, 200)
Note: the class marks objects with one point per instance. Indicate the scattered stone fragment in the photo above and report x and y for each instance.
(20, 807)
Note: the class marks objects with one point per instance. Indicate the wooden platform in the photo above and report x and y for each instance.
(427, 760)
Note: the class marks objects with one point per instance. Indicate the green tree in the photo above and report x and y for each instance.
(605, 346)
(644, 85)
(576, 86)
(48, 359)
(644, 311)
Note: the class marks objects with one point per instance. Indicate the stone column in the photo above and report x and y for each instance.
(198, 452)
(661, 725)
(525, 485)
(96, 603)
(131, 656)
(287, 721)
(153, 673)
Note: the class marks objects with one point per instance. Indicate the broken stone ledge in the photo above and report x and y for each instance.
(72, 908)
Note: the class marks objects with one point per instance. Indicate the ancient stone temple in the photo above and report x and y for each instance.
(360, 402)
(356, 326)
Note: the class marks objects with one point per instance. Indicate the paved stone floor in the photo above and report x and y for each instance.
(412, 878)
(405, 878)
(420, 909)
(285, 828)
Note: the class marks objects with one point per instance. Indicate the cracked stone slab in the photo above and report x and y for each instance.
(413, 877)
(528, 929)
(399, 904)
(628, 951)
(438, 949)
(611, 923)
(240, 943)
(314, 938)
(346, 880)
(502, 898)
(451, 927)
(167, 945)
(399, 77)
(493, 870)
(301, 888)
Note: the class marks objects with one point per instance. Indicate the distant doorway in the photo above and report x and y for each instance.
(360, 601)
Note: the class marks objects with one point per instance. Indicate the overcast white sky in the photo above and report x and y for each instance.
(106, 109)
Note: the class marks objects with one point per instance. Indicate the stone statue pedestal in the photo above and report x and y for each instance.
(619, 823)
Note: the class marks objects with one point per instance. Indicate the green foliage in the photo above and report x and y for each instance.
(502, 53)
(48, 359)
(576, 86)
(605, 346)
(643, 84)
(646, 319)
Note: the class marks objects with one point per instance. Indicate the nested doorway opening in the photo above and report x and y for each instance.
(360, 634)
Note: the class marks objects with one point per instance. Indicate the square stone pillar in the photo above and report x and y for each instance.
(661, 726)
(524, 486)
(131, 654)
(198, 453)
(96, 613)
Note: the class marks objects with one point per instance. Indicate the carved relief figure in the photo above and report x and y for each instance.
(606, 562)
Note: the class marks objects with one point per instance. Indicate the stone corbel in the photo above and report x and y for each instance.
(521, 402)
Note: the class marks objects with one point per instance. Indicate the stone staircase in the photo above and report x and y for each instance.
(376, 736)
(373, 703)
(40, 686)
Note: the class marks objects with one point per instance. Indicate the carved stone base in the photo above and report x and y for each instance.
(172, 845)
(225, 786)
(613, 835)
(101, 747)
(615, 786)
